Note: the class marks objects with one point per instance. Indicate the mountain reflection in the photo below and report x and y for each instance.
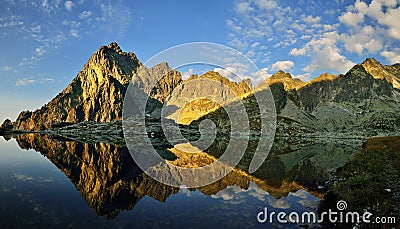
(110, 181)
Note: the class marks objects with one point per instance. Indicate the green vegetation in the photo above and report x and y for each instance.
(371, 180)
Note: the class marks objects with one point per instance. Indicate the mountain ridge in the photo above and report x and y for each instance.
(97, 92)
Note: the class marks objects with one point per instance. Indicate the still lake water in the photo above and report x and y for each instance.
(47, 182)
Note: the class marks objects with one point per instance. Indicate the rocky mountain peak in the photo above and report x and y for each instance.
(95, 94)
(378, 71)
(114, 46)
(286, 79)
(281, 75)
(214, 76)
(323, 77)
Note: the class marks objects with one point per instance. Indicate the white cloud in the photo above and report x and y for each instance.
(266, 4)
(25, 81)
(311, 19)
(188, 73)
(73, 24)
(48, 7)
(229, 72)
(392, 56)
(282, 203)
(7, 68)
(285, 65)
(40, 51)
(85, 15)
(365, 38)
(326, 55)
(383, 12)
(298, 52)
(243, 8)
(304, 77)
(352, 19)
(74, 33)
(69, 5)
(32, 80)
(260, 76)
(115, 18)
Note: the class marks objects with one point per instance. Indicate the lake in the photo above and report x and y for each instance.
(54, 182)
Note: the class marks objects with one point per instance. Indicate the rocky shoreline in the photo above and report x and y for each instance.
(112, 132)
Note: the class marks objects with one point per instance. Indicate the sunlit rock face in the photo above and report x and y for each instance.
(200, 95)
(96, 93)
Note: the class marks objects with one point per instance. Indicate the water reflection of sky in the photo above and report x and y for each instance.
(34, 192)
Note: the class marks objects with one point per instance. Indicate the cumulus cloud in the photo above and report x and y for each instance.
(392, 56)
(326, 55)
(229, 72)
(298, 51)
(85, 15)
(188, 73)
(365, 38)
(352, 19)
(40, 51)
(69, 5)
(285, 65)
(383, 16)
(266, 4)
(260, 76)
(311, 19)
(74, 33)
(7, 68)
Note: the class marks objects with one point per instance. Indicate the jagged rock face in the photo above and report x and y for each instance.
(198, 96)
(286, 79)
(166, 85)
(323, 77)
(353, 100)
(7, 125)
(378, 71)
(358, 84)
(146, 79)
(96, 93)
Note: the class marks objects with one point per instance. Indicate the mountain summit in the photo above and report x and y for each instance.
(95, 94)
(378, 71)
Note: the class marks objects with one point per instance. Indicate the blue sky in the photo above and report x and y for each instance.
(45, 43)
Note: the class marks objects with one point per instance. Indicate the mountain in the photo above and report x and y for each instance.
(360, 102)
(286, 79)
(205, 93)
(378, 71)
(366, 98)
(97, 92)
